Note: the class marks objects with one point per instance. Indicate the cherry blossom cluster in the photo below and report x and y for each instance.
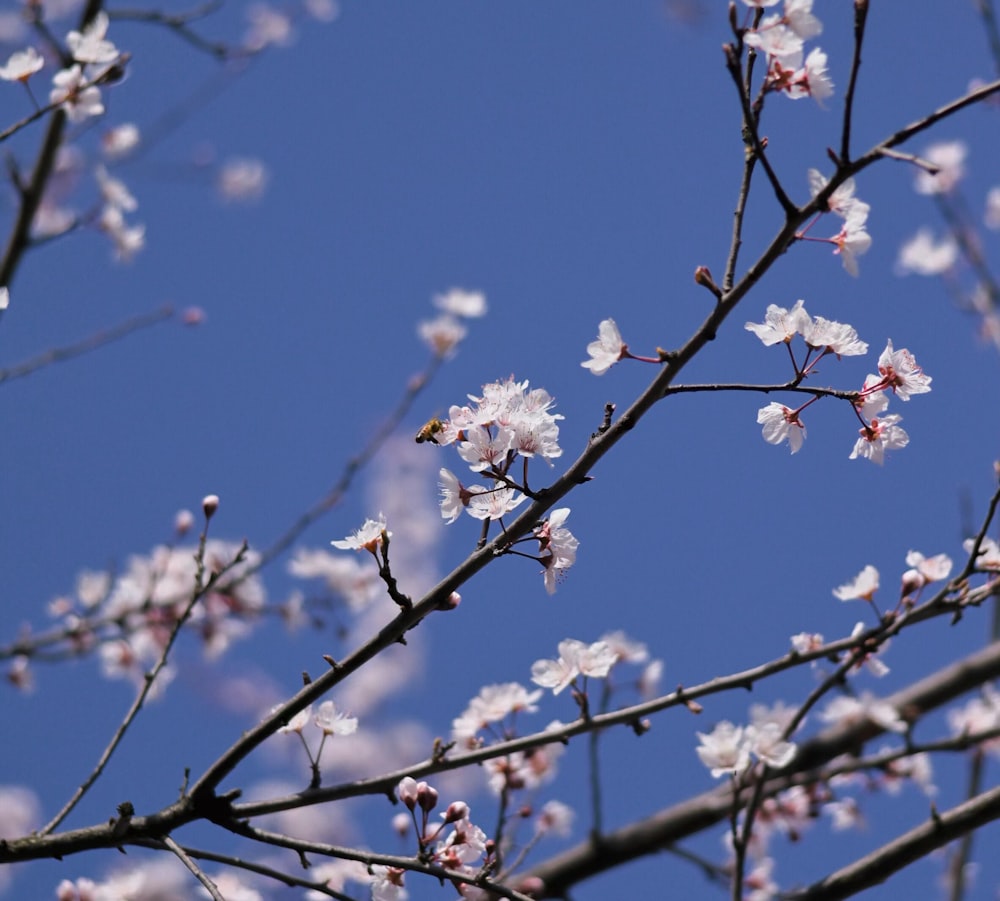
(158, 878)
(729, 749)
(507, 423)
(456, 843)
(922, 571)
(76, 90)
(129, 617)
(328, 720)
(793, 812)
(853, 239)
(463, 848)
(942, 169)
(575, 659)
(356, 583)
(898, 374)
(90, 63)
(781, 37)
(446, 331)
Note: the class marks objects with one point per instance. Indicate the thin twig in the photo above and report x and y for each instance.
(860, 18)
(86, 345)
(874, 868)
(988, 13)
(180, 24)
(198, 872)
(197, 593)
(30, 194)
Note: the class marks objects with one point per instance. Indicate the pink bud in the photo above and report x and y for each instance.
(407, 791)
(457, 810)
(427, 797)
(209, 504)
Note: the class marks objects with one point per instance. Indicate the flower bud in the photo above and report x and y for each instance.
(427, 797)
(457, 810)
(209, 504)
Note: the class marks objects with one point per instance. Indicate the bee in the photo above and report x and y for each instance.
(429, 429)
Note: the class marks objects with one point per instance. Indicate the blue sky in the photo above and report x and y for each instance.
(573, 161)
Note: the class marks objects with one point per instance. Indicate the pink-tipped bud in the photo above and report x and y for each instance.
(427, 797)
(457, 810)
(209, 504)
(407, 791)
(193, 316)
(912, 581)
(703, 276)
(450, 602)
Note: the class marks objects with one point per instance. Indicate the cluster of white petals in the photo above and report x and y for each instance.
(356, 583)
(557, 547)
(861, 588)
(980, 714)
(368, 538)
(729, 749)
(493, 704)
(922, 255)
(328, 720)
(847, 710)
(575, 659)
(823, 335)
(447, 330)
(947, 168)
(508, 421)
(76, 87)
(22, 65)
(898, 373)
(853, 239)
(989, 553)
(607, 350)
(148, 596)
(781, 37)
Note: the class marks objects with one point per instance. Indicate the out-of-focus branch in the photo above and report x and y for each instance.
(180, 24)
(86, 345)
(198, 592)
(875, 868)
(694, 815)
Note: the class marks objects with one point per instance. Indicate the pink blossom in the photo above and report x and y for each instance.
(781, 325)
(861, 588)
(948, 158)
(921, 255)
(724, 750)
(367, 538)
(878, 437)
(607, 350)
(781, 424)
(464, 304)
(900, 372)
(557, 547)
(22, 65)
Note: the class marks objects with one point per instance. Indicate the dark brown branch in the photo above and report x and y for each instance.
(874, 868)
(860, 18)
(694, 815)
